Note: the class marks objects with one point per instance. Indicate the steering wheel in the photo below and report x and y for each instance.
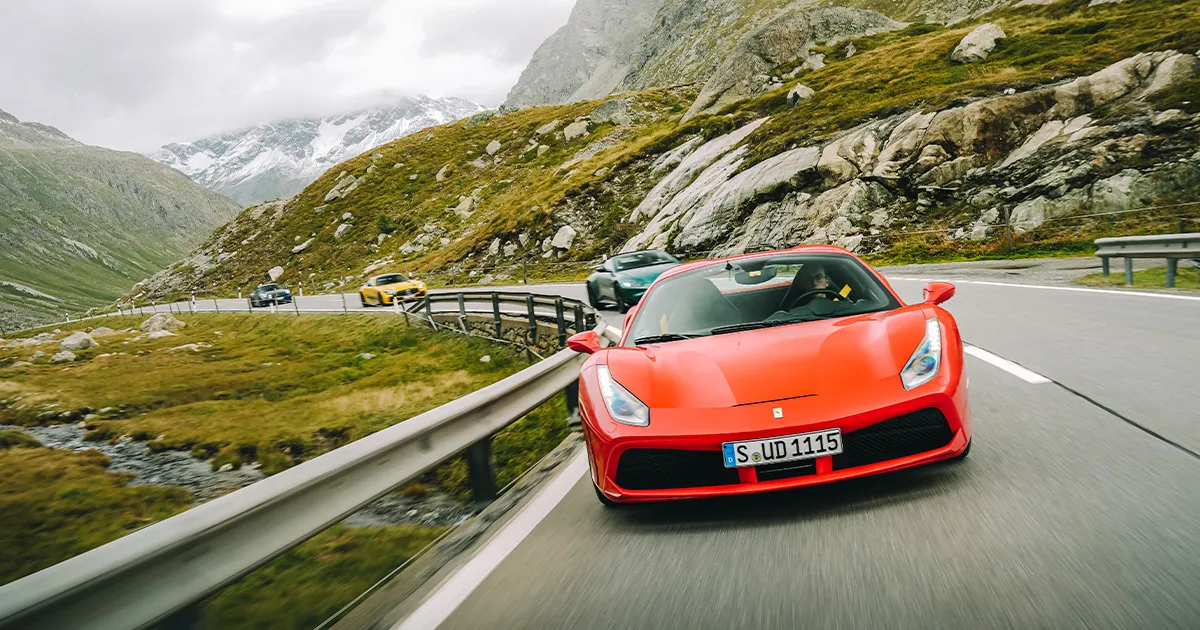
(833, 294)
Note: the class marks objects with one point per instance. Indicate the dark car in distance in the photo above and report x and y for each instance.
(622, 279)
(268, 294)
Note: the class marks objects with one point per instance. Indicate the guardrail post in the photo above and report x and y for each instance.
(186, 618)
(1128, 271)
(561, 320)
(462, 312)
(532, 320)
(429, 312)
(296, 305)
(216, 307)
(572, 393)
(579, 320)
(1172, 264)
(1104, 266)
(496, 315)
(481, 472)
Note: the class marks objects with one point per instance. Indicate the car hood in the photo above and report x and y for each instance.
(646, 274)
(828, 357)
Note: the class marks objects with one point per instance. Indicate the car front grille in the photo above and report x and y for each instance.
(787, 470)
(910, 434)
(663, 469)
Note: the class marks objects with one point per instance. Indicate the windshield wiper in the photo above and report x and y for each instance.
(720, 330)
(667, 337)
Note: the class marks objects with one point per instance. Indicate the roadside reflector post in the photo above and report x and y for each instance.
(301, 288)
(561, 321)
(344, 309)
(1171, 268)
(482, 472)
(462, 312)
(579, 325)
(274, 306)
(496, 315)
(239, 293)
(1104, 266)
(296, 305)
(572, 393)
(154, 306)
(532, 320)
(216, 307)
(1128, 272)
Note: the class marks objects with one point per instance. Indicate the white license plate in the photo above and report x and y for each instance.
(787, 448)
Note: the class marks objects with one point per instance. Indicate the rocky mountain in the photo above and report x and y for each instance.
(279, 159)
(80, 224)
(611, 46)
(904, 143)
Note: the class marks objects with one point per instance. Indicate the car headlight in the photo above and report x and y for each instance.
(926, 361)
(631, 284)
(623, 406)
(389, 292)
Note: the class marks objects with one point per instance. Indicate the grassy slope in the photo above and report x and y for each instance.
(224, 402)
(892, 72)
(1154, 278)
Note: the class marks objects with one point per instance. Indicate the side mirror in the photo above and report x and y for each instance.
(587, 342)
(938, 292)
(601, 270)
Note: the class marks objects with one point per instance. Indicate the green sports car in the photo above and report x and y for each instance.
(623, 278)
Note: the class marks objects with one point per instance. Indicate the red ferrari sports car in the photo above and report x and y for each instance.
(771, 371)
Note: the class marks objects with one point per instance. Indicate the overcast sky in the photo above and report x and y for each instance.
(137, 74)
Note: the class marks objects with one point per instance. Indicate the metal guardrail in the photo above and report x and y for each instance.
(166, 567)
(1171, 247)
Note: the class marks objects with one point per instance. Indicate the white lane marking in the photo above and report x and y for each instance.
(1167, 296)
(455, 591)
(1025, 374)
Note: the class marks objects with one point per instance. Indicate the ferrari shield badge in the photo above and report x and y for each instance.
(778, 411)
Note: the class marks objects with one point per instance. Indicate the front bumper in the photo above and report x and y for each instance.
(632, 296)
(632, 464)
(404, 297)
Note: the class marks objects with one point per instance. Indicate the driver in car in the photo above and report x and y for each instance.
(815, 278)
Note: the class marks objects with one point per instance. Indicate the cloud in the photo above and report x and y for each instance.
(507, 31)
(136, 74)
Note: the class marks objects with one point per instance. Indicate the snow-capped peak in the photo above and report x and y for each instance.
(281, 158)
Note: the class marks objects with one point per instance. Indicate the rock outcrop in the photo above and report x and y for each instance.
(978, 44)
(78, 341)
(161, 321)
(1038, 154)
(746, 72)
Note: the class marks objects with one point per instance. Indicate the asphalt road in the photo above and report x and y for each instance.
(1078, 507)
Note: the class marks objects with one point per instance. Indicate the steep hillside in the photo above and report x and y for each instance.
(279, 159)
(80, 224)
(1080, 110)
(629, 45)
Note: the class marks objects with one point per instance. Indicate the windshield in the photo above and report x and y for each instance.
(269, 287)
(759, 292)
(391, 278)
(641, 259)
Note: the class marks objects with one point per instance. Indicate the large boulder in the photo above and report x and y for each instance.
(799, 93)
(978, 44)
(615, 111)
(564, 237)
(340, 231)
(493, 147)
(66, 356)
(785, 39)
(78, 341)
(575, 130)
(162, 321)
(274, 273)
(342, 188)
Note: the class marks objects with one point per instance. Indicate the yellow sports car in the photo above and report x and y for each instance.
(385, 289)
